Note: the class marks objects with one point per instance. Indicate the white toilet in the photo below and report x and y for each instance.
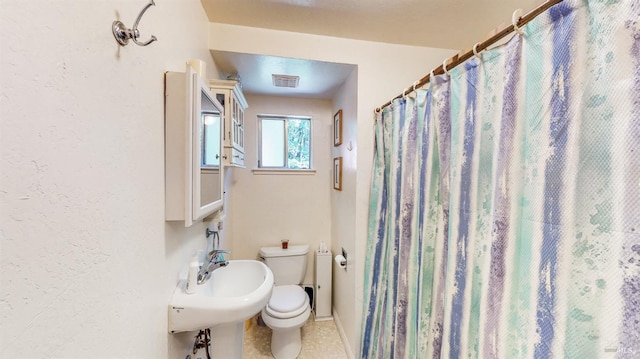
(288, 308)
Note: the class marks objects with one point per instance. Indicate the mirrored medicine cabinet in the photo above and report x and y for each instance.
(193, 148)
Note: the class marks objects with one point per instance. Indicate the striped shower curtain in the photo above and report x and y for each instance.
(505, 203)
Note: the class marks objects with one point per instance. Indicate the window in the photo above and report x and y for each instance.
(284, 142)
(210, 139)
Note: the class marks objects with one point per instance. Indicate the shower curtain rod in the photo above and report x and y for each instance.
(458, 59)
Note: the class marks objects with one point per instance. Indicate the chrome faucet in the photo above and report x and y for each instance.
(215, 260)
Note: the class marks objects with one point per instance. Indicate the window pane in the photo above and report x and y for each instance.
(272, 143)
(211, 138)
(298, 135)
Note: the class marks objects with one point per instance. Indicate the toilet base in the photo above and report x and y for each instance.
(286, 344)
(286, 334)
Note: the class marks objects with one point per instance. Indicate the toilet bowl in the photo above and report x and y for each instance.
(288, 308)
(286, 313)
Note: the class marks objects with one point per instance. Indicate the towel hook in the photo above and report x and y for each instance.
(123, 34)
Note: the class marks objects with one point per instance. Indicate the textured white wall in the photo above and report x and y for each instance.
(383, 71)
(87, 263)
(269, 208)
(343, 215)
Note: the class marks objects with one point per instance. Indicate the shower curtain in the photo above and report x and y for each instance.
(505, 201)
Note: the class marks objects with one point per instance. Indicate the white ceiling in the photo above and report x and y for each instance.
(451, 24)
(317, 79)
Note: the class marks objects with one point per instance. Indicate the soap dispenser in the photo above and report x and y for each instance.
(192, 276)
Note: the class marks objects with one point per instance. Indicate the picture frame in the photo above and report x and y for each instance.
(337, 173)
(337, 128)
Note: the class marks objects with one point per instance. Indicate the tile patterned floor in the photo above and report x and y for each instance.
(319, 340)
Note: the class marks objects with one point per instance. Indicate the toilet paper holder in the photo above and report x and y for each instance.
(341, 259)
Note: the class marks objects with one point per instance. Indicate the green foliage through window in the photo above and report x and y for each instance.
(285, 142)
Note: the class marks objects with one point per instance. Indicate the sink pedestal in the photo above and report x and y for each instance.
(227, 341)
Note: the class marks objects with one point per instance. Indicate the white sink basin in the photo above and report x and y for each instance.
(233, 294)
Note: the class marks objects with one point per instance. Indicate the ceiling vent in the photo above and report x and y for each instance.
(285, 81)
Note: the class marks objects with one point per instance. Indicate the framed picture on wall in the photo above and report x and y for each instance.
(337, 128)
(337, 173)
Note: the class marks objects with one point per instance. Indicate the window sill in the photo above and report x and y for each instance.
(280, 171)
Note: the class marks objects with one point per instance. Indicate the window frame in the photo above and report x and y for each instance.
(286, 119)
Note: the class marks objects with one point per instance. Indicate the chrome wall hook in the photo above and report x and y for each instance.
(123, 34)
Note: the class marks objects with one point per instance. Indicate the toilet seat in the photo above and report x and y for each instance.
(287, 301)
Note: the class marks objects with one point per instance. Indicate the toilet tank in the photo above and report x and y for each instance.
(289, 266)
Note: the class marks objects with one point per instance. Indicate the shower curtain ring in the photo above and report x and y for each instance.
(517, 15)
(404, 93)
(414, 85)
(475, 51)
(444, 67)
(432, 76)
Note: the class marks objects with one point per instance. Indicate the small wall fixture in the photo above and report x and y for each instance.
(123, 34)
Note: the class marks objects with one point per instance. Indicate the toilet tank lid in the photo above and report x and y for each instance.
(268, 252)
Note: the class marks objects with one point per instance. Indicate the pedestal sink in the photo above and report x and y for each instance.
(232, 295)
